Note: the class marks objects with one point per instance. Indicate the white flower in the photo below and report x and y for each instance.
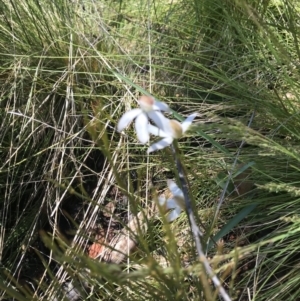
(172, 130)
(176, 202)
(149, 108)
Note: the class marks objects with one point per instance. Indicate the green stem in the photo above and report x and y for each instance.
(194, 227)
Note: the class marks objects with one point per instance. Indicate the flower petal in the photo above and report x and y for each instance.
(172, 185)
(162, 200)
(179, 201)
(141, 127)
(174, 214)
(171, 204)
(127, 118)
(161, 121)
(167, 204)
(158, 105)
(156, 131)
(160, 144)
(187, 122)
(176, 191)
(177, 130)
(146, 103)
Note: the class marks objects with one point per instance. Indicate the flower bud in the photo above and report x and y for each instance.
(176, 129)
(146, 103)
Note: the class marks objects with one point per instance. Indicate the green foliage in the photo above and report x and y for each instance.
(70, 69)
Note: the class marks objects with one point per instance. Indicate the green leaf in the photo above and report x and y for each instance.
(231, 224)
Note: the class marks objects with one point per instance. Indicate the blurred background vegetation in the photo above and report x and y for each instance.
(70, 69)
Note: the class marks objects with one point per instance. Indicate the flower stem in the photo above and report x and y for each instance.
(188, 204)
(194, 227)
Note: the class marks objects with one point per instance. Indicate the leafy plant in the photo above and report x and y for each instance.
(70, 183)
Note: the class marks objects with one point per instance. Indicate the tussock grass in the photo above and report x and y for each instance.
(70, 69)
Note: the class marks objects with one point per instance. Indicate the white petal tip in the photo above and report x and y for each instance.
(149, 150)
(160, 144)
(162, 106)
(170, 182)
(162, 200)
(141, 127)
(121, 127)
(143, 140)
(127, 118)
(188, 121)
(174, 214)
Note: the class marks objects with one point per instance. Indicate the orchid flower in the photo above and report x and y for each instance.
(172, 130)
(176, 202)
(149, 108)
